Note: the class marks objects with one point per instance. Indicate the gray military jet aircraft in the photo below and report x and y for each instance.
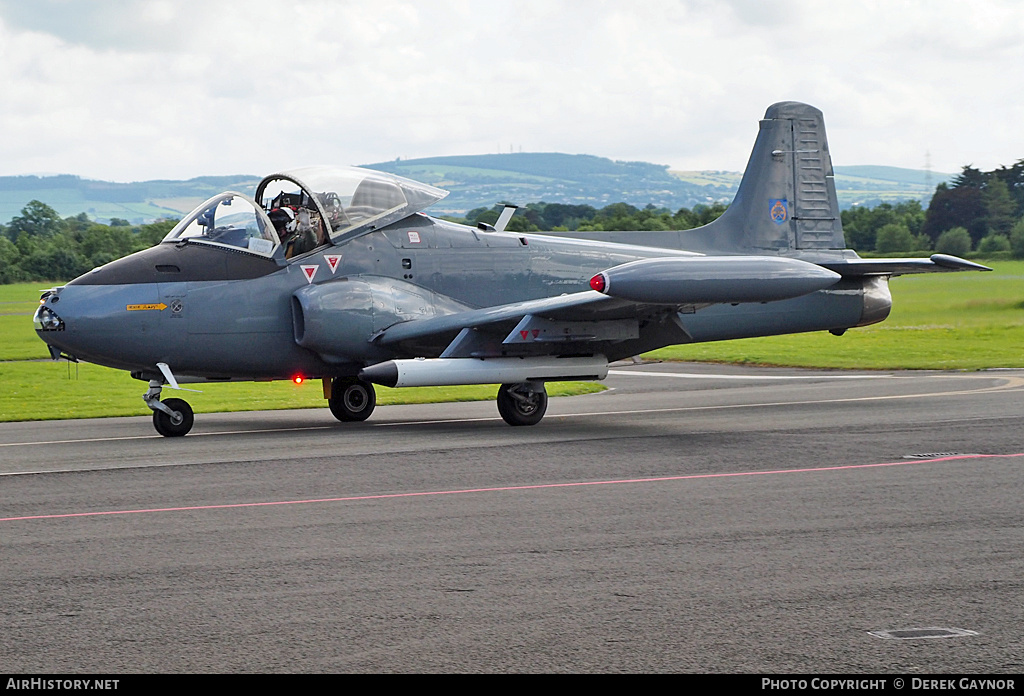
(336, 274)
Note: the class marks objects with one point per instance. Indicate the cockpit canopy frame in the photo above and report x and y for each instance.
(327, 204)
(347, 202)
(230, 219)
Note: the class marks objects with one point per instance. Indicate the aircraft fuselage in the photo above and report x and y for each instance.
(219, 314)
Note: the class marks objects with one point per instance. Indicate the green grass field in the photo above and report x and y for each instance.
(49, 390)
(945, 321)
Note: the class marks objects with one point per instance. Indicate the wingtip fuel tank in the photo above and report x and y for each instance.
(711, 280)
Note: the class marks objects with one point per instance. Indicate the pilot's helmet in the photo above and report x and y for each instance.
(281, 217)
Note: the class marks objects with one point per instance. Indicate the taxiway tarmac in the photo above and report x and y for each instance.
(692, 518)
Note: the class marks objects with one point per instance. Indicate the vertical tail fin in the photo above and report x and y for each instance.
(787, 197)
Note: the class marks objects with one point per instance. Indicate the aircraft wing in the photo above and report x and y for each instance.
(488, 315)
(632, 305)
(566, 318)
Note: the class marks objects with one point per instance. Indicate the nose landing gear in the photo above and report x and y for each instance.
(171, 417)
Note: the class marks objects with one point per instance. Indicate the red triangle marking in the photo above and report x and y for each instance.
(524, 334)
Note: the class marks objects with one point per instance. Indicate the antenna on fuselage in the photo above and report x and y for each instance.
(505, 216)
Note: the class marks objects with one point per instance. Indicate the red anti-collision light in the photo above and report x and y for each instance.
(298, 379)
(599, 282)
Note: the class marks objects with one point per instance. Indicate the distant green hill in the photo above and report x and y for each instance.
(474, 181)
(520, 178)
(482, 180)
(138, 202)
(869, 184)
(857, 185)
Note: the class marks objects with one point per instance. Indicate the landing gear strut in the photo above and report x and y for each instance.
(522, 404)
(351, 399)
(171, 417)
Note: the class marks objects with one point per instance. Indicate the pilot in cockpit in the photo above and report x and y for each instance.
(297, 237)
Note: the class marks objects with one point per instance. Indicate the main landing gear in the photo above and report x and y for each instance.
(171, 417)
(351, 399)
(522, 404)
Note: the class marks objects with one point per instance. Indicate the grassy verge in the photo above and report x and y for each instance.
(49, 390)
(17, 339)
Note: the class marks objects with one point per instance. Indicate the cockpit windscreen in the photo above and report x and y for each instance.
(231, 219)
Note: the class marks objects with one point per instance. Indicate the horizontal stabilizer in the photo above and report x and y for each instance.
(712, 280)
(937, 263)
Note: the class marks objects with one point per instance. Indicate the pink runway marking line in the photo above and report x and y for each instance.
(499, 489)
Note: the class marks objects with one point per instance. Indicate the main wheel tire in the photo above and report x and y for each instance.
(174, 427)
(520, 407)
(352, 399)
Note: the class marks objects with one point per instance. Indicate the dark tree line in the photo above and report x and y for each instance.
(39, 245)
(979, 211)
(989, 205)
(542, 217)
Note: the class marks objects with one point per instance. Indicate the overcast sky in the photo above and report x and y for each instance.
(126, 90)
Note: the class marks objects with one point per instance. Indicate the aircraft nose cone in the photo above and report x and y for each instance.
(120, 326)
(46, 319)
(49, 324)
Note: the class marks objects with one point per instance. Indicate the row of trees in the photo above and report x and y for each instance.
(980, 211)
(39, 245)
(538, 217)
(884, 229)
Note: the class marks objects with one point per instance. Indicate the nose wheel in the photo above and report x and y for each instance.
(171, 417)
(176, 423)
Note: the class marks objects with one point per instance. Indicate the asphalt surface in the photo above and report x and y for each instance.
(690, 519)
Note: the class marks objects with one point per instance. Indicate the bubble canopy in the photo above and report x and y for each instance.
(349, 201)
(336, 203)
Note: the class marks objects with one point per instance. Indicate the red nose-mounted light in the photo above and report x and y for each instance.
(599, 282)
